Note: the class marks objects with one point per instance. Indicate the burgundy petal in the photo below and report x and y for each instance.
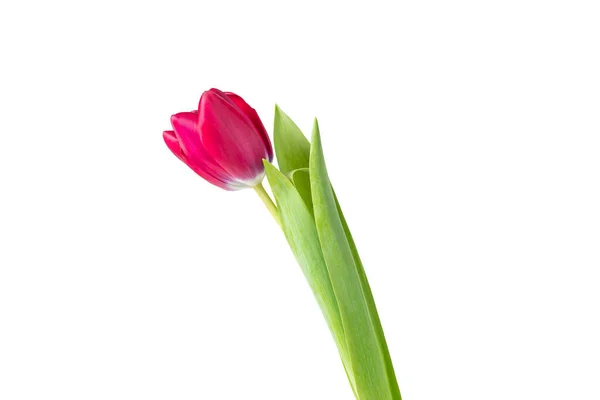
(255, 119)
(192, 151)
(229, 137)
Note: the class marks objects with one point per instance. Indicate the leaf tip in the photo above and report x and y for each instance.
(280, 115)
(316, 136)
(267, 164)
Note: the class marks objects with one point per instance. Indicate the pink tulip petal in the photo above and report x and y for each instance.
(185, 124)
(230, 137)
(173, 144)
(192, 152)
(255, 119)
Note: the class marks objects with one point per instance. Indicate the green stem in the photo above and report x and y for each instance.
(266, 199)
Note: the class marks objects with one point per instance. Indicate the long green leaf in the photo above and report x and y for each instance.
(372, 308)
(291, 147)
(368, 363)
(300, 231)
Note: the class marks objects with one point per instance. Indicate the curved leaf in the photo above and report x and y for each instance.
(301, 233)
(291, 146)
(365, 353)
(301, 179)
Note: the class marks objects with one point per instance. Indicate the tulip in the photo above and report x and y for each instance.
(224, 141)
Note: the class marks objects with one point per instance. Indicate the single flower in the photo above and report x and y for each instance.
(224, 141)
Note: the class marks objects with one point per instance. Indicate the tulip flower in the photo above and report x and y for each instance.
(224, 141)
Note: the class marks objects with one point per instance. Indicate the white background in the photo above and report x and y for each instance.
(463, 141)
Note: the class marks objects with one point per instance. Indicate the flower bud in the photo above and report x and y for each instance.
(224, 141)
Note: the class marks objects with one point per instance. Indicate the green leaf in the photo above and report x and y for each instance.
(367, 360)
(372, 308)
(301, 179)
(291, 146)
(301, 233)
